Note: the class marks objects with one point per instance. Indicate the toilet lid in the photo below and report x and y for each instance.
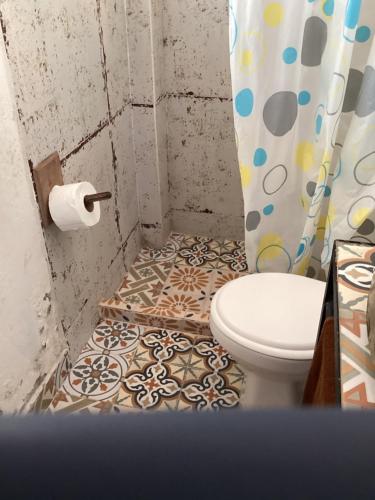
(272, 309)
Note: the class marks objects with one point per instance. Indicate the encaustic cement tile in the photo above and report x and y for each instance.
(53, 385)
(214, 355)
(175, 317)
(167, 253)
(150, 387)
(115, 337)
(103, 361)
(210, 393)
(221, 277)
(203, 252)
(175, 289)
(96, 375)
(66, 403)
(188, 279)
(233, 256)
(187, 303)
(172, 318)
(172, 370)
(198, 251)
(115, 309)
(136, 368)
(215, 380)
(187, 289)
(146, 278)
(151, 381)
(144, 282)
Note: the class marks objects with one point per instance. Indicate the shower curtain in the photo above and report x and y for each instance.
(303, 77)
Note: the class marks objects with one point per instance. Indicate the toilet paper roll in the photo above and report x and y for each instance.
(67, 206)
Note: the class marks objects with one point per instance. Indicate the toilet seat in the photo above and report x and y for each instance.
(274, 314)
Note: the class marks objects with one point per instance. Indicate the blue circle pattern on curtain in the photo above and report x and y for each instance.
(297, 121)
(244, 102)
(290, 55)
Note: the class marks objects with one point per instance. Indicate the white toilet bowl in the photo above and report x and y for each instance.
(269, 322)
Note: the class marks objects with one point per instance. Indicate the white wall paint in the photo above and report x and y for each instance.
(204, 180)
(77, 93)
(31, 341)
(145, 38)
(180, 74)
(69, 62)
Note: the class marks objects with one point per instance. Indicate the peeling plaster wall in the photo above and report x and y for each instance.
(145, 35)
(188, 176)
(135, 96)
(31, 338)
(70, 68)
(205, 191)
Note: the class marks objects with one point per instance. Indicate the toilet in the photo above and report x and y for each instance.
(269, 322)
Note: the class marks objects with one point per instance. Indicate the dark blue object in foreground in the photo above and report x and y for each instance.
(231, 455)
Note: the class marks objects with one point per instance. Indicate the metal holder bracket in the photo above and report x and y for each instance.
(48, 174)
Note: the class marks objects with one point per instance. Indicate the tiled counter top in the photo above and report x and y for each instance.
(353, 268)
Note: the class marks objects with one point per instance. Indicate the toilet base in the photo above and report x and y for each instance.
(261, 392)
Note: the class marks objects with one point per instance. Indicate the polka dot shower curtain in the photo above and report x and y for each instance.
(303, 76)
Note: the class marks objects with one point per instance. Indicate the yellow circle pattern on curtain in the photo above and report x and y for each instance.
(303, 76)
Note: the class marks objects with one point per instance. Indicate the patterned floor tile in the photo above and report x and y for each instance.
(198, 326)
(96, 375)
(124, 404)
(233, 256)
(156, 374)
(235, 377)
(153, 381)
(167, 253)
(173, 319)
(221, 277)
(198, 251)
(182, 303)
(210, 393)
(138, 358)
(187, 290)
(66, 403)
(150, 387)
(164, 345)
(104, 361)
(215, 356)
(115, 337)
(172, 370)
(217, 381)
(114, 309)
(188, 279)
(135, 368)
(63, 369)
(144, 282)
(174, 291)
(187, 366)
(159, 317)
(53, 385)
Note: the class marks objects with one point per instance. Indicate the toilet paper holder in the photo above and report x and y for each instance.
(90, 199)
(48, 174)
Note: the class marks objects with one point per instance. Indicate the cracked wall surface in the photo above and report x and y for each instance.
(31, 336)
(186, 156)
(135, 97)
(145, 36)
(69, 62)
(205, 189)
